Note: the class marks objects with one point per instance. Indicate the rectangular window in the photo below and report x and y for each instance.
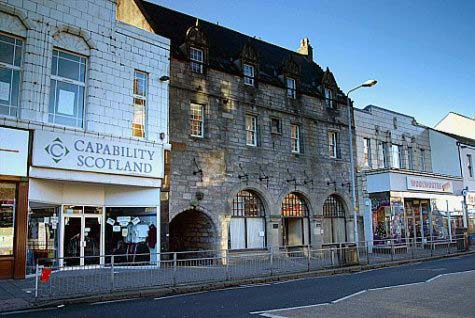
(410, 158)
(395, 156)
(333, 144)
(10, 68)
(423, 160)
(248, 74)
(196, 120)
(140, 103)
(251, 130)
(196, 57)
(68, 83)
(470, 165)
(275, 126)
(291, 88)
(329, 98)
(382, 155)
(367, 152)
(295, 138)
(7, 217)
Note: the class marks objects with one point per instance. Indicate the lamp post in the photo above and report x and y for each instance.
(368, 83)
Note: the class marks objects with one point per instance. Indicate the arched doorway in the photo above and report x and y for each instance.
(192, 230)
(248, 224)
(295, 223)
(334, 220)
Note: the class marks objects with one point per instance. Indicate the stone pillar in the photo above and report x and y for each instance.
(273, 232)
(316, 231)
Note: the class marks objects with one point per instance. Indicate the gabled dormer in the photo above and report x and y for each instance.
(329, 90)
(197, 49)
(291, 77)
(248, 63)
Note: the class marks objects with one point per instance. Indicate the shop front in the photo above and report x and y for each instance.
(470, 201)
(419, 208)
(14, 145)
(92, 198)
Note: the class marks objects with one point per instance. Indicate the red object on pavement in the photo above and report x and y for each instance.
(45, 274)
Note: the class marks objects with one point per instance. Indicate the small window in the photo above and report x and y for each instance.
(197, 59)
(423, 160)
(251, 130)
(395, 156)
(248, 74)
(275, 126)
(140, 103)
(10, 68)
(333, 144)
(291, 88)
(295, 138)
(196, 120)
(68, 83)
(329, 98)
(367, 152)
(470, 165)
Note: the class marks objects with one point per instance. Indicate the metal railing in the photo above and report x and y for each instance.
(109, 273)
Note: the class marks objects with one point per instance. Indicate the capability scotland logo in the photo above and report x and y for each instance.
(57, 150)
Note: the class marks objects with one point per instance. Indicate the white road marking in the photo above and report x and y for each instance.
(434, 278)
(272, 316)
(179, 295)
(26, 311)
(396, 286)
(112, 301)
(349, 296)
(286, 309)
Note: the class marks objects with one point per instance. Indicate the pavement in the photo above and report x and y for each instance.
(444, 296)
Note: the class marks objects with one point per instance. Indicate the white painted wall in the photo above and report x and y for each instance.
(457, 124)
(444, 153)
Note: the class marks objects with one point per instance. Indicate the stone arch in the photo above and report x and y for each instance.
(295, 225)
(73, 39)
(343, 196)
(252, 186)
(192, 230)
(335, 219)
(14, 21)
(303, 191)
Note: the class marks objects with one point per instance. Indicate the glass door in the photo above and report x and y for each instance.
(72, 241)
(92, 240)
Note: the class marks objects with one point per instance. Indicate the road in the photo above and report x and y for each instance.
(243, 300)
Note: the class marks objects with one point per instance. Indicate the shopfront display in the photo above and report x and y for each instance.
(7, 217)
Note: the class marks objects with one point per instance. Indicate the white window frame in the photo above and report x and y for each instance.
(58, 78)
(329, 97)
(251, 130)
(395, 156)
(295, 138)
(197, 60)
(249, 74)
(14, 68)
(367, 152)
(291, 88)
(143, 98)
(198, 109)
(333, 144)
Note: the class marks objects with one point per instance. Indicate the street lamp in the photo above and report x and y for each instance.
(368, 83)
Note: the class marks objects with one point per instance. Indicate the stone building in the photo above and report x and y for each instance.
(259, 138)
(84, 124)
(403, 193)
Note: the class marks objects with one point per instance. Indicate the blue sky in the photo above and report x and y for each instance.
(422, 52)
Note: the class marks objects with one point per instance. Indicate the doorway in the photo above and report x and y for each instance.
(82, 236)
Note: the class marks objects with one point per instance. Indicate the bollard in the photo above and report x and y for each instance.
(271, 258)
(308, 258)
(174, 268)
(112, 273)
(36, 279)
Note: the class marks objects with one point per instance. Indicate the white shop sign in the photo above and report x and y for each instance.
(471, 198)
(13, 152)
(429, 184)
(75, 152)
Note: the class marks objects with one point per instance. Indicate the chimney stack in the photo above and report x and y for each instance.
(306, 49)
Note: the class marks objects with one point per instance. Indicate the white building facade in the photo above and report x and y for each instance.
(92, 93)
(401, 196)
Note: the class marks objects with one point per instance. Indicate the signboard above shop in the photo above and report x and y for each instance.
(78, 152)
(429, 184)
(13, 152)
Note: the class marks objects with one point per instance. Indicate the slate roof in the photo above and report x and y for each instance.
(225, 46)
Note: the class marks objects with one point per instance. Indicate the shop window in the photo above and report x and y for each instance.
(68, 83)
(334, 215)
(295, 138)
(251, 130)
(395, 156)
(367, 152)
(10, 67)
(196, 120)
(197, 60)
(333, 144)
(291, 88)
(140, 103)
(249, 74)
(295, 222)
(131, 234)
(7, 217)
(247, 226)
